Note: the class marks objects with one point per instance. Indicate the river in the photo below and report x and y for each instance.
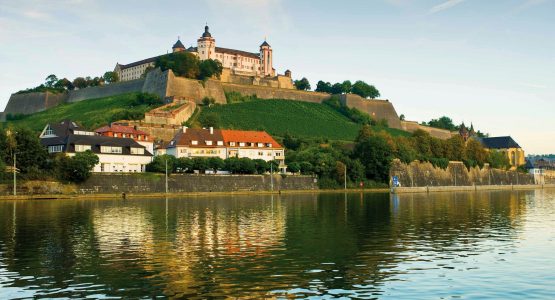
(469, 245)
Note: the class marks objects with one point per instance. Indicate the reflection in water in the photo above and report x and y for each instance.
(354, 245)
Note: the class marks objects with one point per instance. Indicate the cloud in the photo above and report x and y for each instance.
(445, 5)
(533, 85)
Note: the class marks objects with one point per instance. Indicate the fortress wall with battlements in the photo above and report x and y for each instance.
(113, 89)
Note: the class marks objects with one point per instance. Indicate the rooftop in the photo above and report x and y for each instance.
(500, 142)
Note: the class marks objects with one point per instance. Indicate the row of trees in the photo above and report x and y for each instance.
(360, 88)
(189, 165)
(34, 162)
(373, 151)
(54, 84)
(445, 122)
(188, 65)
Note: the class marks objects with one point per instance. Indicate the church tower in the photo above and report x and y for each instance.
(266, 59)
(206, 45)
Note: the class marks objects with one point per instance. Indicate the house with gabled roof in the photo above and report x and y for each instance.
(121, 131)
(114, 154)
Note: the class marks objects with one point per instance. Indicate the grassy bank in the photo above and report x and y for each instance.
(91, 113)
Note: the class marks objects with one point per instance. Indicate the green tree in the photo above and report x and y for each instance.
(80, 82)
(200, 163)
(346, 86)
(182, 63)
(261, 166)
(210, 68)
(215, 164)
(376, 155)
(498, 159)
(184, 164)
(77, 168)
(50, 81)
(110, 77)
(442, 123)
(323, 87)
(365, 90)
(294, 167)
(306, 167)
(302, 84)
(158, 164)
(336, 88)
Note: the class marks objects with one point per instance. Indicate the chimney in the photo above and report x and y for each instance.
(184, 129)
(211, 130)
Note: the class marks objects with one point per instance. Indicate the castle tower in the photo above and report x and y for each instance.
(266, 59)
(472, 132)
(206, 45)
(178, 46)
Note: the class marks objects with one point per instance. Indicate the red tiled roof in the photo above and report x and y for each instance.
(120, 129)
(249, 137)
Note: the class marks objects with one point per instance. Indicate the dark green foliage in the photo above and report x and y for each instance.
(110, 77)
(353, 114)
(261, 166)
(375, 154)
(77, 168)
(323, 87)
(215, 163)
(210, 120)
(158, 164)
(210, 68)
(442, 123)
(497, 159)
(186, 64)
(200, 164)
(294, 167)
(365, 90)
(207, 101)
(302, 84)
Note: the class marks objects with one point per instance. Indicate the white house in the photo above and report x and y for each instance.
(114, 154)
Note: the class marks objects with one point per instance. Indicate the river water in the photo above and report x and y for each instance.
(485, 245)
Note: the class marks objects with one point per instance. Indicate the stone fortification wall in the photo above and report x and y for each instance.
(412, 126)
(106, 90)
(422, 174)
(184, 183)
(29, 103)
(377, 109)
(273, 93)
(194, 90)
(279, 81)
(176, 116)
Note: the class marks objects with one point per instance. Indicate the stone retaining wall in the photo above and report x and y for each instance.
(423, 174)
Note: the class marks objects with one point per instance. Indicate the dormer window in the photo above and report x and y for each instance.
(194, 142)
(260, 144)
(269, 145)
(209, 143)
(241, 144)
(220, 143)
(232, 143)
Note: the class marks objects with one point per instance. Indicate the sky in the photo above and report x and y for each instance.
(489, 63)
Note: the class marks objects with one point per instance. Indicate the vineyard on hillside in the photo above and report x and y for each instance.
(278, 117)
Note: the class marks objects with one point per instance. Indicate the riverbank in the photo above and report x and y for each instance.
(435, 189)
(398, 190)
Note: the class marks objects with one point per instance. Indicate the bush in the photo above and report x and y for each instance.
(77, 168)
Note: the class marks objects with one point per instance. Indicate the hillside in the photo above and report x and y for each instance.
(301, 119)
(91, 113)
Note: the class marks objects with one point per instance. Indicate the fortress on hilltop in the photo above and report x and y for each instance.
(235, 62)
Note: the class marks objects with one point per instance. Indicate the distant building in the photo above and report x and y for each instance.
(507, 145)
(542, 169)
(193, 142)
(237, 61)
(114, 154)
(121, 131)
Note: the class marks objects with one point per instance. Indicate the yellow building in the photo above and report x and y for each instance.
(507, 145)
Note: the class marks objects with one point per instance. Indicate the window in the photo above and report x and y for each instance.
(115, 135)
(220, 143)
(49, 131)
(241, 144)
(82, 148)
(209, 143)
(194, 142)
(260, 153)
(56, 148)
(269, 145)
(278, 153)
(138, 151)
(232, 143)
(110, 149)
